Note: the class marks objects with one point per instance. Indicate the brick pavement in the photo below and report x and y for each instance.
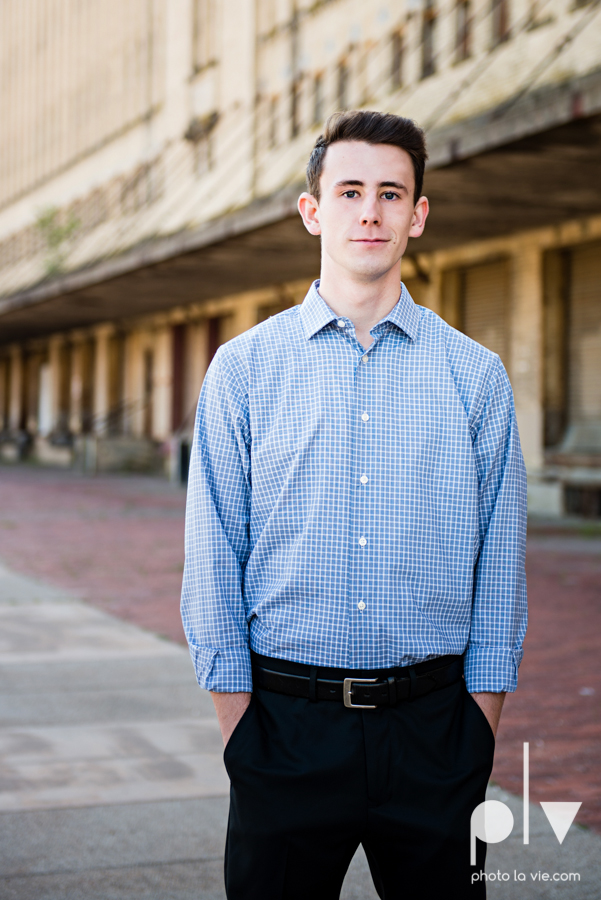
(557, 707)
(117, 542)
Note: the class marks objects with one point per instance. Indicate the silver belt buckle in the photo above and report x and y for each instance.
(347, 696)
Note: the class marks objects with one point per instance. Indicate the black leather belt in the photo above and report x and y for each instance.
(358, 692)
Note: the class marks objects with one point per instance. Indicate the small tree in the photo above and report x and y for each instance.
(57, 230)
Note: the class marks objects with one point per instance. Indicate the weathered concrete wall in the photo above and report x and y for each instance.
(140, 119)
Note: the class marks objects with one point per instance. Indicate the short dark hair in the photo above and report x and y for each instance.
(373, 128)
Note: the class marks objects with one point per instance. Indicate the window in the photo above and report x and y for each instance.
(428, 35)
(540, 15)
(318, 99)
(273, 123)
(463, 30)
(396, 60)
(534, 13)
(266, 16)
(342, 86)
(500, 21)
(200, 134)
(295, 109)
(583, 500)
(203, 156)
(203, 32)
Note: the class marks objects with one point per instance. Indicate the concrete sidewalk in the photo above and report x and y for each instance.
(117, 543)
(112, 785)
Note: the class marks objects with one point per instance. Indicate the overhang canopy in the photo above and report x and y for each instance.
(532, 163)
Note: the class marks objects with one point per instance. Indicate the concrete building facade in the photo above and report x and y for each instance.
(151, 157)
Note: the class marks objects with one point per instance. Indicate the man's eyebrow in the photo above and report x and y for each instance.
(356, 183)
(394, 184)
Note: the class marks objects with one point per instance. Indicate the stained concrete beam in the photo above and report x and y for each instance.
(532, 162)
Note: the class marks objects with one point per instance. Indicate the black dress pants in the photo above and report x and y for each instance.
(312, 781)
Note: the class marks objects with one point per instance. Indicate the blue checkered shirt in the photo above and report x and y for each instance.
(355, 509)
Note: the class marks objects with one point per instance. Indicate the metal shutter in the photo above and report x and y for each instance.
(486, 306)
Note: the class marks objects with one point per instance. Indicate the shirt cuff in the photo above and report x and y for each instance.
(491, 669)
(223, 670)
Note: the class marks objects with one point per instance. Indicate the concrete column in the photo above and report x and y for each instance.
(432, 296)
(526, 350)
(197, 363)
(31, 391)
(133, 384)
(15, 399)
(76, 386)
(45, 422)
(4, 369)
(55, 348)
(245, 317)
(102, 335)
(161, 399)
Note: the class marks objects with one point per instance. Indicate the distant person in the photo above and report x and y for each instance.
(355, 546)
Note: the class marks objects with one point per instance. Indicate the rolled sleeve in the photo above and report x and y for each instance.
(226, 670)
(499, 610)
(217, 541)
(492, 669)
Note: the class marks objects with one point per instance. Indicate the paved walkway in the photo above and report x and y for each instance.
(97, 778)
(112, 785)
(557, 707)
(117, 543)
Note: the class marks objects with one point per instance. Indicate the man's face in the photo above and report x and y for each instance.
(366, 211)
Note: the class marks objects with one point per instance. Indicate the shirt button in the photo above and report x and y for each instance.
(362, 542)
(364, 479)
(365, 359)
(340, 323)
(365, 417)
(361, 605)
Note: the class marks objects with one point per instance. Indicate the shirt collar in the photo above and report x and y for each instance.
(405, 315)
(316, 314)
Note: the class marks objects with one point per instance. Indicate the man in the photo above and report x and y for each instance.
(354, 543)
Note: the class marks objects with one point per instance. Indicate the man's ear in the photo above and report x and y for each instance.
(308, 207)
(420, 214)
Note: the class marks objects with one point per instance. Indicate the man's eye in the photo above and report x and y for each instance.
(350, 194)
(389, 195)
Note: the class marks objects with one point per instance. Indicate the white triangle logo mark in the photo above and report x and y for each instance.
(560, 816)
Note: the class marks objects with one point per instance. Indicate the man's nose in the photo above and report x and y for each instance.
(370, 214)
